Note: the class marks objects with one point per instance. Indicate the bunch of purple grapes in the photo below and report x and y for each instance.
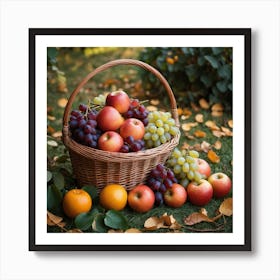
(161, 179)
(83, 126)
(138, 111)
(132, 145)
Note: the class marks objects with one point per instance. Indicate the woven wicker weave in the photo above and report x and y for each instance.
(99, 168)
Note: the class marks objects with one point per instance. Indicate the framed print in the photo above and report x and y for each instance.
(140, 139)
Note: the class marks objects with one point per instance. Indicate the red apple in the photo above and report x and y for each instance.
(141, 199)
(203, 167)
(221, 184)
(175, 196)
(110, 141)
(119, 100)
(201, 193)
(109, 119)
(132, 127)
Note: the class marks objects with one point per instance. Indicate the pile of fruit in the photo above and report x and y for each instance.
(161, 188)
(118, 123)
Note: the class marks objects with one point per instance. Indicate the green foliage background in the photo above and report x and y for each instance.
(192, 72)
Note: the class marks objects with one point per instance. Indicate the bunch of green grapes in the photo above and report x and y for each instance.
(99, 100)
(160, 129)
(184, 166)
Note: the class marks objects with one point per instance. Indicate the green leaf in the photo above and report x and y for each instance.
(54, 198)
(170, 67)
(84, 220)
(212, 60)
(192, 72)
(215, 92)
(222, 85)
(200, 60)
(115, 220)
(225, 72)
(98, 223)
(217, 50)
(92, 191)
(52, 53)
(192, 51)
(49, 176)
(206, 80)
(58, 180)
(185, 50)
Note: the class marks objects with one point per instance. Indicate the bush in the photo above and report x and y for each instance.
(192, 73)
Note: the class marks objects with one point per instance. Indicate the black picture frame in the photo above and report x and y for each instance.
(245, 32)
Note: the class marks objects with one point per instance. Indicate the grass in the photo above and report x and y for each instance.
(73, 66)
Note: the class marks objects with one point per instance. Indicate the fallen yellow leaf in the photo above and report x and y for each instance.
(62, 102)
(217, 113)
(199, 134)
(52, 143)
(188, 126)
(153, 223)
(180, 111)
(151, 108)
(217, 107)
(230, 123)
(196, 147)
(191, 137)
(115, 231)
(205, 146)
(165, 221)
(133, 230)
(187, 112)
(154, 102)
(185, 146)
(74, 230)
(53, 220)
(226, 207)
(213, 156)
(227, 131)
(168, 220)
(218, 145)
(203, 103)
(57, 134)
(50, 129)
(51, 118)
(212, 125)
(196, 218)
(62, 87)
(218, 133)
(203, 211)
(194, 107)
(199, 118)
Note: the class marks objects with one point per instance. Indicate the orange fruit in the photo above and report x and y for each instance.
(113, 197)
(75, 202)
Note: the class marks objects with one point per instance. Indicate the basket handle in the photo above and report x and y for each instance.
(113, 63)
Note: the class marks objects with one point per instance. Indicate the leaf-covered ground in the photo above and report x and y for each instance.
(203, 128)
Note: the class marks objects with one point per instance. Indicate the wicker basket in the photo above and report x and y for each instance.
(99, 168)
